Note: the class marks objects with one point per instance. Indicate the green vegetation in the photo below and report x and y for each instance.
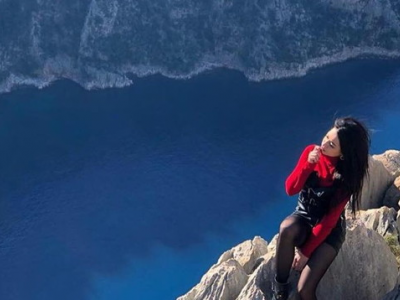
(393, 243)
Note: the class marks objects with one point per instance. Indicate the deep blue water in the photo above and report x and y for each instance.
(134, 193)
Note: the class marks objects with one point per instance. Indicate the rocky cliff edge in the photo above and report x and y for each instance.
(367, 266)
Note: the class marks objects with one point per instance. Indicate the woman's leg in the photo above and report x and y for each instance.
(293, 232)
(314, 270)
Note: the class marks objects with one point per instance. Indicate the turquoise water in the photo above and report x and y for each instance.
(134, 193)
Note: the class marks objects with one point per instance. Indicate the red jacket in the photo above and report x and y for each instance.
(325, 168)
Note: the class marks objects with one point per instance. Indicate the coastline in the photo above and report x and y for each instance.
(54, 70)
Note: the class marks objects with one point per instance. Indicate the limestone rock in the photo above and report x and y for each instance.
(259, 284)
(391, 161)
(365, 262)
(100, 43)
(246, 253)
(222, 282)
(376, 184)
(365, 268)
(272, 244)
(382, 220)
(392, 195)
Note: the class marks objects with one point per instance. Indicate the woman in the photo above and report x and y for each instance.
(326, 178)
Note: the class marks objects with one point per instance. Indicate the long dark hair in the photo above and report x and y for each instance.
(352, 166)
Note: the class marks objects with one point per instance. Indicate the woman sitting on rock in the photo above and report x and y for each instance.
(326, 178)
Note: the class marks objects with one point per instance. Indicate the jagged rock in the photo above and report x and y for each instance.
(272, 244)
(365, 268)
(382, 220)
(376, 184)
(392, 195)
(246, 253)
(391, 161)
(259, 284)
(222, 282)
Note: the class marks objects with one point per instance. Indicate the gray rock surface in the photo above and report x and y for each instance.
(365, 268)
(391, 161)
(223, 282)
(383, 220)
(246, 253)
(376, 184)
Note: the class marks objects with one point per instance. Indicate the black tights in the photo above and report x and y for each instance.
(293, 233)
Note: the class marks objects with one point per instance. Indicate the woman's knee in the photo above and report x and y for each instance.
(289, 228)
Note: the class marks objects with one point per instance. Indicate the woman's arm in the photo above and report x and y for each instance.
(296, 180)
(324, 227)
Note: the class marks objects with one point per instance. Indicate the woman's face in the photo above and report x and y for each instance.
(330, 145)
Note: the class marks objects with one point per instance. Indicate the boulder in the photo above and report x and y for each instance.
(376, 184)
(365, 268)
(258, 287)
(382, 220)
(391, 161)
(222, 282)
(246, 253)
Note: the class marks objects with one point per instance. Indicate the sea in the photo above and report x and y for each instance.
(133, 193)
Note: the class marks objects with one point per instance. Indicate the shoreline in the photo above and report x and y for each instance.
(100, 79)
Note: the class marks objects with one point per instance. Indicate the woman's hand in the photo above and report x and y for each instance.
(313, 156)
(299, 261)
